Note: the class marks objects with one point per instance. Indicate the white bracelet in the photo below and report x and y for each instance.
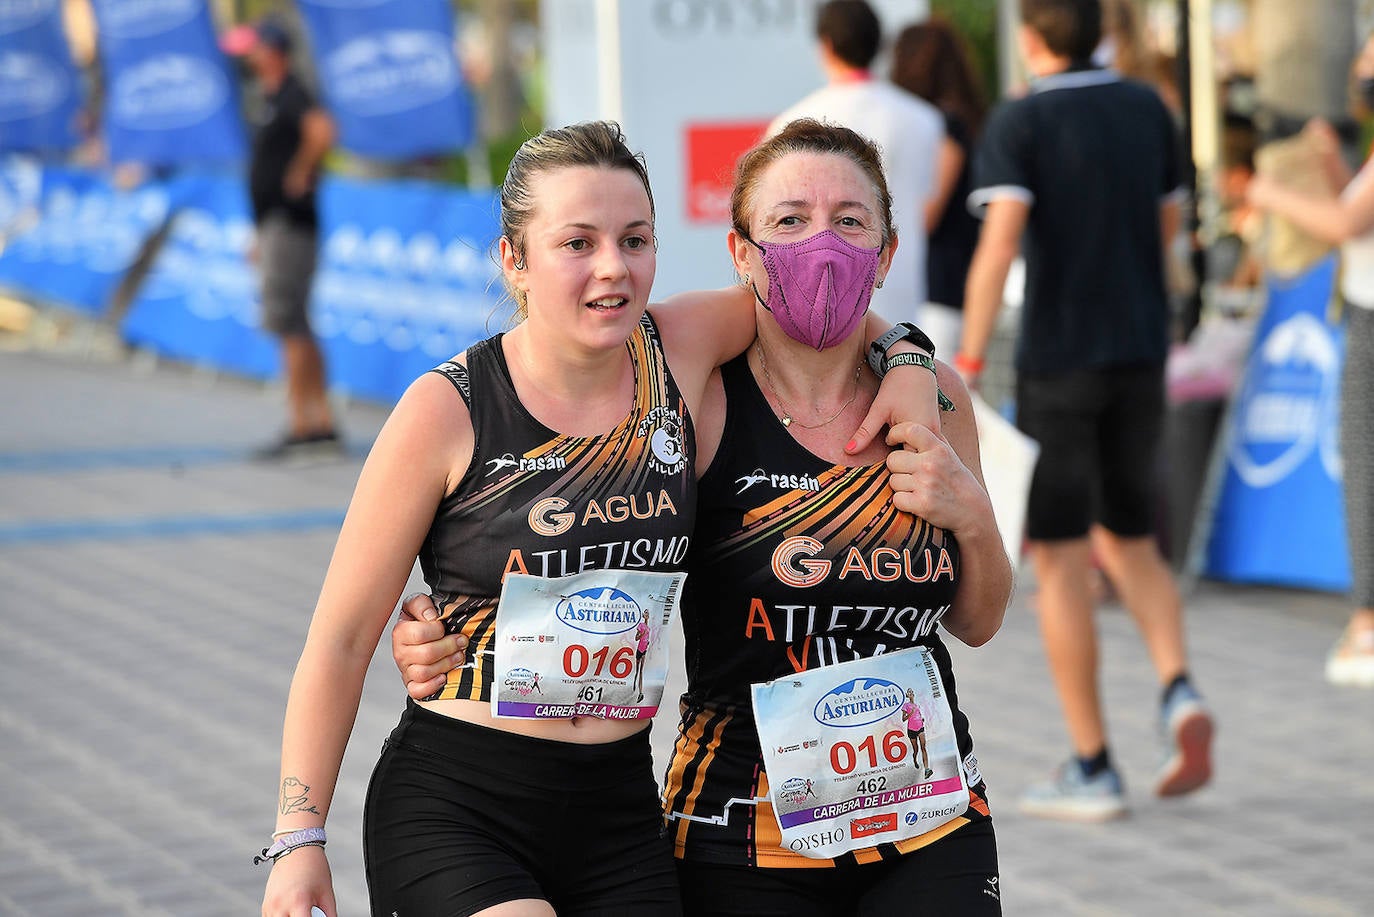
(281, 846)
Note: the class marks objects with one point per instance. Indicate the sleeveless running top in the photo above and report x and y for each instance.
(535, 501)
(796, 564)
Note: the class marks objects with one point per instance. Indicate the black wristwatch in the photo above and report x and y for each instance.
(902, 331)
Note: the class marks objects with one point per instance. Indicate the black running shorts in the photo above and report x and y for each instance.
(461, 817)
(955, 875)
(1099, 433)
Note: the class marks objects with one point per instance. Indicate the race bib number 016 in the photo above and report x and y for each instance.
(860, 753)
(590, 644)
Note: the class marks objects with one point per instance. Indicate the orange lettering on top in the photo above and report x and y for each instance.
(593, 512)
(647, 512)
(854, 563)
(945, 566)
(911, 574)
(887, 565)
(758, 617)
(515, 563)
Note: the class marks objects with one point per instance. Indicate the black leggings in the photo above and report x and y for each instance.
(955, 875)
(462, 817)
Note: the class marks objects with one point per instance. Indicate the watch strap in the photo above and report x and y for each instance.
(902, 331)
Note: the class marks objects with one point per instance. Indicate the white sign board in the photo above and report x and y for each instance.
(693, 83)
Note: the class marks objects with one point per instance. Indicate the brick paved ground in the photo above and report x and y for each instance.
(155, 587)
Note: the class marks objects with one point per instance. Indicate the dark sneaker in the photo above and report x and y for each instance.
(1187, 728)
(325, 444)
(1072, 796)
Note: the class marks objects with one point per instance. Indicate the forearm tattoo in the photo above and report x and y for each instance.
(295, 797)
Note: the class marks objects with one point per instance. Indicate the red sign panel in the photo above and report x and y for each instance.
(712, 150)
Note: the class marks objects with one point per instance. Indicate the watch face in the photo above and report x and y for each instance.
(918, 337)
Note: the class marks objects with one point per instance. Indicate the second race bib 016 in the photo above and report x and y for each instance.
(861, 753)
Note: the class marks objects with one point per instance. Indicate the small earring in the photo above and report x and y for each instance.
(879, 285)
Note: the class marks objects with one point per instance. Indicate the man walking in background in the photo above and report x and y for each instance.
(292, 136)
(1088, 163)
(908, 131)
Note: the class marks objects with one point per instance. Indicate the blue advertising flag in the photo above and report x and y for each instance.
(75, 242)
(21, 195)
(390, 75)
(406, 280)
(171, 96)
(199, 302)
(40, 90)
(1279, 517)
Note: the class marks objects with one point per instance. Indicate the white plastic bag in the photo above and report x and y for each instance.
(1008, 457)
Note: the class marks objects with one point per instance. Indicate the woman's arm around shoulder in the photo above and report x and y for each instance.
(702, 329)
(939, 477)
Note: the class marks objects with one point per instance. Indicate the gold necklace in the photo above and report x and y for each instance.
(787, 419)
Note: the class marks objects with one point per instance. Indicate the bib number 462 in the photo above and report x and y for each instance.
(577, 659)
(844, 757)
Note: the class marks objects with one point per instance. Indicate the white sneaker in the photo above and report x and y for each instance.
(1351, 661)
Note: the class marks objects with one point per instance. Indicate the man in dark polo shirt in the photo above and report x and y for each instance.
(291, 138)
(1085, 168)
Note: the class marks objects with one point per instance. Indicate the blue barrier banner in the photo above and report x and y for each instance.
(390, 75)
(40, 89)
(1279, 518)
(406, 280)
(21, 194)
(171, 96)
(82, 238)
(199, 302)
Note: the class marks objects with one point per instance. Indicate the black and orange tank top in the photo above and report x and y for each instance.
(796, 564)
(539, 502)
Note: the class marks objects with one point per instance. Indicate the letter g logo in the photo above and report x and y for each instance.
(795, 565)
(546, 517)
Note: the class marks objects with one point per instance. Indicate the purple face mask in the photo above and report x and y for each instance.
(818, 288)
